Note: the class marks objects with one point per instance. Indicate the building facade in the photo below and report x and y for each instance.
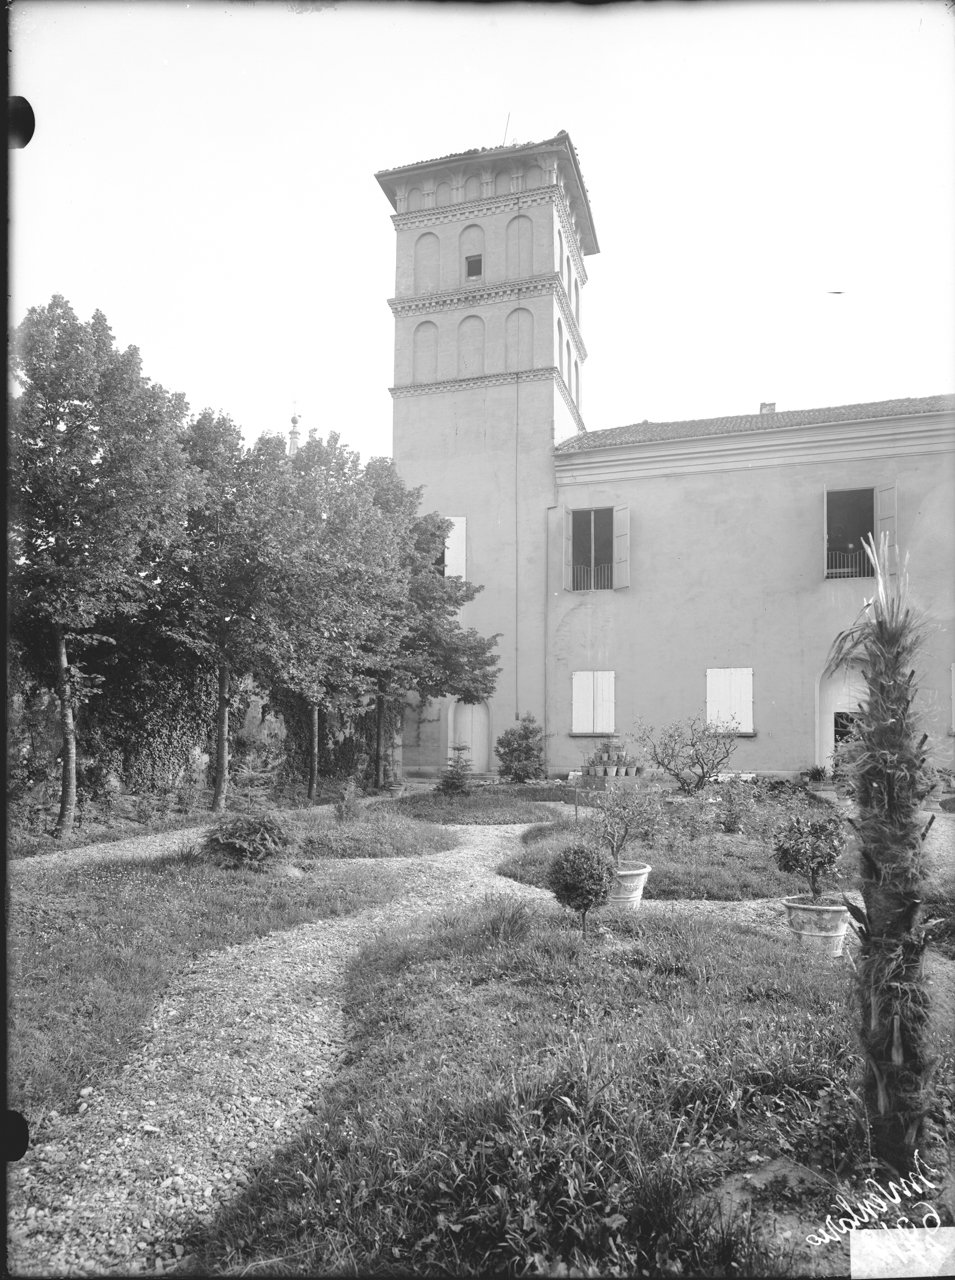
(647, 572)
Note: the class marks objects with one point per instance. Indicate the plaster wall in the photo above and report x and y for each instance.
(727, 570)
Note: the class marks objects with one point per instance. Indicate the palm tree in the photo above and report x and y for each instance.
(887, 763)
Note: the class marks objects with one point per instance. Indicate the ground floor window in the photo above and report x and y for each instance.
(592, 702)
(729, 697)
(842, 722)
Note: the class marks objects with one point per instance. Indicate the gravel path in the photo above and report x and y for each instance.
(233, 1057)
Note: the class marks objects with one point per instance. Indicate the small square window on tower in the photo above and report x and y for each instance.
(474, 267)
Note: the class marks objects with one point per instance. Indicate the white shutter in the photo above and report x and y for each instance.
(621, 547)
(717, 694)
(603, 702)
(729, 696)
(741, 698)
(953, 697)
(455, 548)
(886, 521)
(825, 532)
(582, 704)
(567, 533)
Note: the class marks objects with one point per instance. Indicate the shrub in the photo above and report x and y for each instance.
(625, 814)
(347, 808)
(736, 805)
(456, 778)
(808, 843)
(520, 750)
(248, 842)
(581, 877)
(691, 752)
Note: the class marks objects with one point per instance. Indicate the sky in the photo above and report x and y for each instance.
(772, 186)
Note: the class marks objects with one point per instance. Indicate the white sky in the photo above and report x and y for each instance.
(203, 174)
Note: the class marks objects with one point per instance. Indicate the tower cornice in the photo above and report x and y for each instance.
(493, 380)
(504, 291)
(485, 205)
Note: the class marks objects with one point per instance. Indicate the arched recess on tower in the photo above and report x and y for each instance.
(519, 247)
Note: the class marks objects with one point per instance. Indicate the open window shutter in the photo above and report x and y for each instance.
(825, 532)
(741, 704)
(621, 547)
(886, 516)
(567, 525)
(718, 695)
(582, 705)
(455, 549)
(603, 702)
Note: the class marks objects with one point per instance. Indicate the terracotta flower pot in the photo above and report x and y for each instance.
(628, 891)
(819, 923)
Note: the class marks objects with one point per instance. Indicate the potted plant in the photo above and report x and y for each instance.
(622, 817)
(808, 843)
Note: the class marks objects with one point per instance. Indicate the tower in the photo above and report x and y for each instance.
(488, 354)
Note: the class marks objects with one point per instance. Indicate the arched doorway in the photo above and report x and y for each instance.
(839, 698)
(471, 727)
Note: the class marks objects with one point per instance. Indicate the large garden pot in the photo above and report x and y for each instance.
(628, 891)
(819, 924)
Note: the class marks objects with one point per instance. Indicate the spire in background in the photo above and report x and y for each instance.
(293, 437)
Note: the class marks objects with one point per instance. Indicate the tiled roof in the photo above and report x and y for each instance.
(641, 432)
(475, 151)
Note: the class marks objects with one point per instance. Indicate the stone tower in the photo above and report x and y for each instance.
(488, 357)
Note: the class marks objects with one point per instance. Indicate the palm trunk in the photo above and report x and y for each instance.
(222, 741)
(64, 692)
(312, 750)
(887, 762)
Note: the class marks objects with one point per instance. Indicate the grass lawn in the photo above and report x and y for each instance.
(480, 808)
(91, 950)
(518, 1097)
(715, 865)
(378, 831)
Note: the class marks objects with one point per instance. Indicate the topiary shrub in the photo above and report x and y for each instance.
(581, 877)
(248, 842)
(520, 750)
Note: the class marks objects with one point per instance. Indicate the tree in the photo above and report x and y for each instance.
(692, 752)
(236, 576)
(99, 486)
(351, 586)
(435, 656)
(891, 779)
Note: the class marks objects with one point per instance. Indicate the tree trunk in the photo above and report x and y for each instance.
(380, 737)
(313, 750)
(64, 692)
(222, 741)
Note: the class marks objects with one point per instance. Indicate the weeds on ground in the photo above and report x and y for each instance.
(478, 808)
(544, 1102)
(91, 949)
(376, 832)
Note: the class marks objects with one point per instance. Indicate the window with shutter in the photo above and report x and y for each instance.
(729, 697)
(592, 702)
(850, 519)
(596, 548)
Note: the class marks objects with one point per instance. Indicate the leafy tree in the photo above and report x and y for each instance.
(435, 656)
(99, 487)
(891, 779)
(233, 599)
(348, 606)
